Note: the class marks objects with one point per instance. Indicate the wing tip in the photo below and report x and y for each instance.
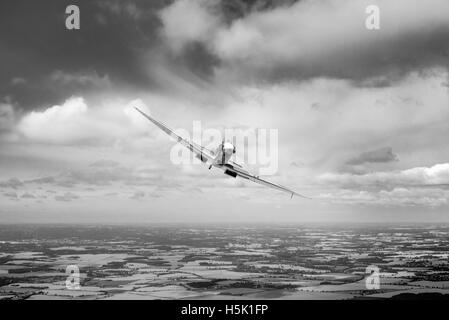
(299, 195)
(138, 109)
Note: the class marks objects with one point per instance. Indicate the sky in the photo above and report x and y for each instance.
(362, 115)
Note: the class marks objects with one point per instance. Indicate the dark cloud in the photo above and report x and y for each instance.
(375, 156)
(265, 41)
(119, 44)
(197, 59)
(35, 44)
(367, 65)
(236, 9)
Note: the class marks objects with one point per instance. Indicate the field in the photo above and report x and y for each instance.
(223, 262)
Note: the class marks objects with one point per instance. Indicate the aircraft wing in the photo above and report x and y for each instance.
(239, 171)
(202, 153)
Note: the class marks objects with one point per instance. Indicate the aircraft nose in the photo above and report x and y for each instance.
(228, 146)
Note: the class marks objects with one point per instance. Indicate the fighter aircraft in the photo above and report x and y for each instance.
(220, 158)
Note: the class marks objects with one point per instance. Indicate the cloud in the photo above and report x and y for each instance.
(74, 122)
(353, 118)
(137, 195)
(418, 176)
(57, 123)
(325, 38)
(189, 21)
(7, 117)
(13, 183)
(104, 163)
(112, 48)
(107, 175)
(412, 197)
(379, 155)
(224, 66)
(399, 196)
(121, 7)
(42, 180)
(67, 196)
(11, 195)
(87, 79)
(99, 173)
(18, 81)
(28, 195)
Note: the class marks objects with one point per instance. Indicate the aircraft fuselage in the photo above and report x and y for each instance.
(224, 153)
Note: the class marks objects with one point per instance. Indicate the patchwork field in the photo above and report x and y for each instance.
(218, 262)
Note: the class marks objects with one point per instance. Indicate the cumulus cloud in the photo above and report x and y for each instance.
(379, 155)
(74, 122)
(57, 123)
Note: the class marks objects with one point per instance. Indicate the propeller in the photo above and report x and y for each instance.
(222, 152)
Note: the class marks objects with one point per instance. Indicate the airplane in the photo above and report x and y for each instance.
(220, 158)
